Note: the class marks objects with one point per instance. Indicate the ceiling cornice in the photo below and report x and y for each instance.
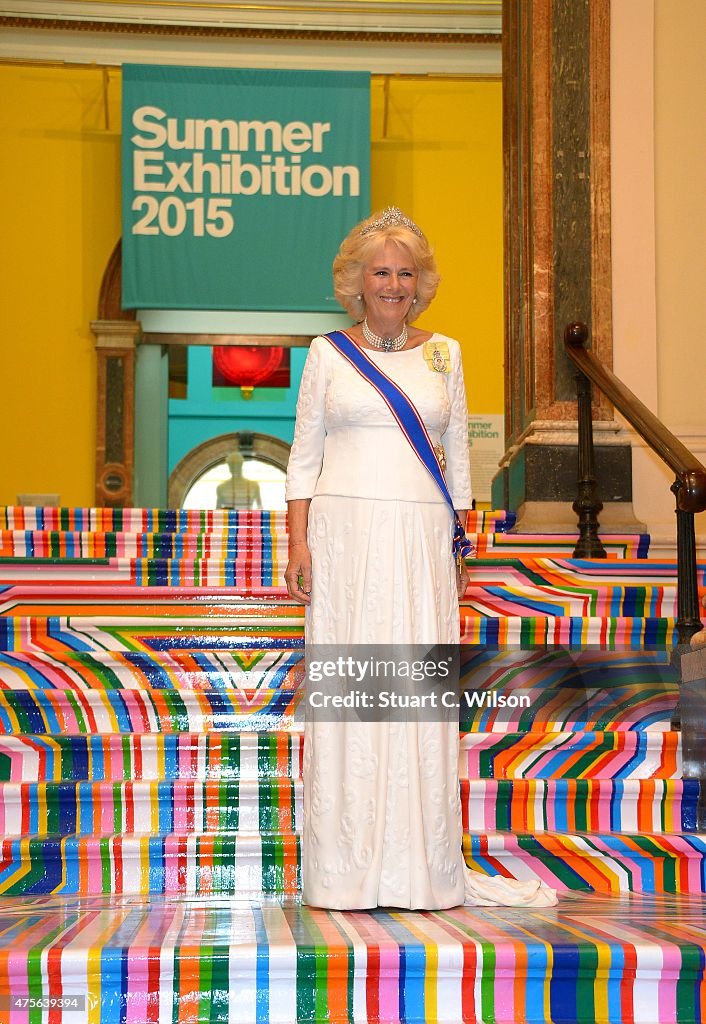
(442, 37)
(451, 20)
(219, 31)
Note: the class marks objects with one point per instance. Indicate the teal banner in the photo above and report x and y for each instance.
(239, 184)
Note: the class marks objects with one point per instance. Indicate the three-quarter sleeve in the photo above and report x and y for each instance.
(455, 438)
(307, 452)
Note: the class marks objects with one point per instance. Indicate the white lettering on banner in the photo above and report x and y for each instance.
(264, 174)
(152, 173)
(208, 133)
(210, 217)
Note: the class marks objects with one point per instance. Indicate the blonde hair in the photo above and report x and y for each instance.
(357, 249)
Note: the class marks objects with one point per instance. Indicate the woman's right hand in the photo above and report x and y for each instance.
(297, 575)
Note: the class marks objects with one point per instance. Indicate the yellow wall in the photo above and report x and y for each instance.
(680, 211)
(436, 152)
(59, 183)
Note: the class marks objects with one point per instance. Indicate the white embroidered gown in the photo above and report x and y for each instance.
(382, 812)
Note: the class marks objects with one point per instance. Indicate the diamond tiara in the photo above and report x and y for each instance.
(391, 217)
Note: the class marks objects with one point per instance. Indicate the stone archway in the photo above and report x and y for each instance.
(209, 453)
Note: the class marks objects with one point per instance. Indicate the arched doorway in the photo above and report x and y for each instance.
(201, 477)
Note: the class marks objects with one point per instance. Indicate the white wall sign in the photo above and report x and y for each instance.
(486, 436)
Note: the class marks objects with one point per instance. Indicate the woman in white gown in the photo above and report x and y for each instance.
(371, 558)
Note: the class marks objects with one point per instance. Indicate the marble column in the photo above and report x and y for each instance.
(556, 59)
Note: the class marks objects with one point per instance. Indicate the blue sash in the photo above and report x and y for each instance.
(410, 423)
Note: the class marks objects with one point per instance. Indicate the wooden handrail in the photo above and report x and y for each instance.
(690, 486)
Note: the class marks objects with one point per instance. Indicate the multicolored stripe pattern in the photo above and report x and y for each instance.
(190, 691)
(227, 544)
(232, 863)
(115, 757)
(275, 626)
(150, 787)
(594, 960)
(48, 712)
(154, 520)
(275, 804)
(630, 546)
(535, 588)
(143, 520)
(242, 671)
(610, 754)
(112, 757)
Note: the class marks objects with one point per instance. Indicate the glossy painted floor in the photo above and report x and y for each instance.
(591, 959)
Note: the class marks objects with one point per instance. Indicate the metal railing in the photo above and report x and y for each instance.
(689, 486)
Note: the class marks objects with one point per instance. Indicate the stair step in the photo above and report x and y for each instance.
(228, 863)
(265, 627)
(630, 546)
(573, 631)
(147, 520)
(178, 864)
(273, 627)
(183, 806)
(226, 755)
(493, 597)
(139, 520)
(245, 670)
(483, 670)
(518, 690)
(27, 545)
(580, 805)
(242, 570)
(55, 553)
(128, 600)
(591, 960)
(275, 804)
(97, 600)
(497, 587)
(45, 712)
(155, 756)
(570, 755)
(607, 862)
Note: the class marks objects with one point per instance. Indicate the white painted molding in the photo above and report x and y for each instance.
(663, 547)
(482, 60)
(652, 499)
(380, 36)
(224, 321)
(456, 17)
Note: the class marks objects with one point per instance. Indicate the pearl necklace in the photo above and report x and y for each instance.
(385, 344)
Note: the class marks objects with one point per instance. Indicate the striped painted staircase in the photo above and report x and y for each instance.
(150, 793)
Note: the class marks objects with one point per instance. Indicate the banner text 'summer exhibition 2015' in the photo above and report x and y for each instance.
(239, 184)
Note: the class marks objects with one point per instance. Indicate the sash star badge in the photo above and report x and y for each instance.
(436, 355)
